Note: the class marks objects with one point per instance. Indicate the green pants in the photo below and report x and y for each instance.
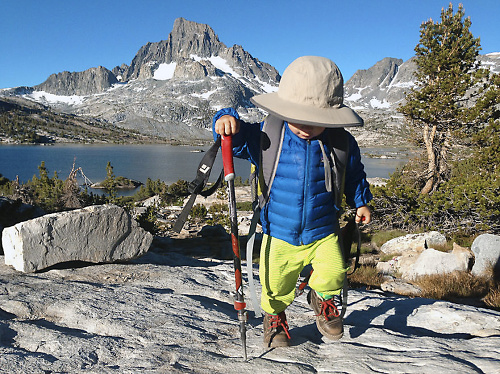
(281, 264)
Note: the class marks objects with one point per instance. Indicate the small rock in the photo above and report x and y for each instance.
(400, 287)
(213, 231)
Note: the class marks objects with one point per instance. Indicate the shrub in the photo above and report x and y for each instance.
(244, 205)
(366, 275)
(175, 193)
(148, 221)
(198, 211)
(219, 215)
(179, 188)
(469, 202)
(453, 286)
(492, 298)
(221, 194)
(218, 208)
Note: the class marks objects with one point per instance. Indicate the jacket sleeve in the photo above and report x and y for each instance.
(246, 143)
(357, 188)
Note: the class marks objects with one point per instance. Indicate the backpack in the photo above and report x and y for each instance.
(273, 132)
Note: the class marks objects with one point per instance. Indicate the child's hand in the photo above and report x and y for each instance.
(363, 214)
(227, 125)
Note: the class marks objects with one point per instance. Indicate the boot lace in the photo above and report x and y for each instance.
(277, 321)
(328, 309)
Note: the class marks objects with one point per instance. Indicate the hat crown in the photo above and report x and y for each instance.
(313, 81)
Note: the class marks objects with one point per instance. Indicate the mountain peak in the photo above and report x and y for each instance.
(380, 86)
(186, 39)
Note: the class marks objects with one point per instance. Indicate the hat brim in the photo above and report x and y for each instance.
(342, 116)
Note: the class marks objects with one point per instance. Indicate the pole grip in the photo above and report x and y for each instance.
(227, 157)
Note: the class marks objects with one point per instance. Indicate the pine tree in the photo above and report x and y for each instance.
(109, 183)
(447, 70)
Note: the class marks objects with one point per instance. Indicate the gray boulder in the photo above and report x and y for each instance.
(413, 242)
(96, 234)
(431, 262)
(414, 263)
(486, 249)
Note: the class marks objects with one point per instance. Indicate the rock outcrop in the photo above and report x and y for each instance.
(88, 82)
(414, 256)
(433, 262)
(486, 249)
(96, 234)
(166, 312)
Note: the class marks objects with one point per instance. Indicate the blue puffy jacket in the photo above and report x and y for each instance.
(300, 210)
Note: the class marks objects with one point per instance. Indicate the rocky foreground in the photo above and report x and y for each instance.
(168, 312)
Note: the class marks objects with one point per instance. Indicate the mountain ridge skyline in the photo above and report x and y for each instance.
(172, 87)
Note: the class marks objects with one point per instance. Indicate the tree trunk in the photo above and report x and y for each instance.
(429, 137)
(443, 169)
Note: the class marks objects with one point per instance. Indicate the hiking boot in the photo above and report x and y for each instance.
(276, 330)
(328, 317)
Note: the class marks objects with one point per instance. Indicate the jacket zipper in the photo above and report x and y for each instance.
(306, 185)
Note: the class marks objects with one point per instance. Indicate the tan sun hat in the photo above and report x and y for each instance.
(311, 92)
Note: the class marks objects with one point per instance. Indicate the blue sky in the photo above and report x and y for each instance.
(41, 37)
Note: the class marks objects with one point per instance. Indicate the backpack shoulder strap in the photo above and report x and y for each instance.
(338, 143)
(270, 149)
(198, 184)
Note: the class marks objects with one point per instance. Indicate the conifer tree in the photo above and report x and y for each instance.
(109, 183)
(447, 70)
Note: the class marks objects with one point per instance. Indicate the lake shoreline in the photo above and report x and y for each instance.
(140, 162)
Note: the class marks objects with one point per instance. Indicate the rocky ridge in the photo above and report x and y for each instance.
(172, 88)
(383, 86)
(88, 82)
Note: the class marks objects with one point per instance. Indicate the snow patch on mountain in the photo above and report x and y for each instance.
(220, 63)
(266, 87)
(377, 104)
(48, 98)
(165, 71)
(205, 95)
(355, 96)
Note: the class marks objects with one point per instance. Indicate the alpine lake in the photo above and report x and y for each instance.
(168, 163)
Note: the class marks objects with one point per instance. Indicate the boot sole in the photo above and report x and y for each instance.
(327, 335)
(276, 344)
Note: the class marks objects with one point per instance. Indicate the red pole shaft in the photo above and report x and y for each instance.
(239, 300)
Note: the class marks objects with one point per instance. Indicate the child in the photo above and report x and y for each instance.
(300, 219)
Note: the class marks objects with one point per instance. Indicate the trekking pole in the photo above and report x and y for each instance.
(239, 301)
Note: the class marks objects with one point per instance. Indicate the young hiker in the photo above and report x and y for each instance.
(300, 218)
